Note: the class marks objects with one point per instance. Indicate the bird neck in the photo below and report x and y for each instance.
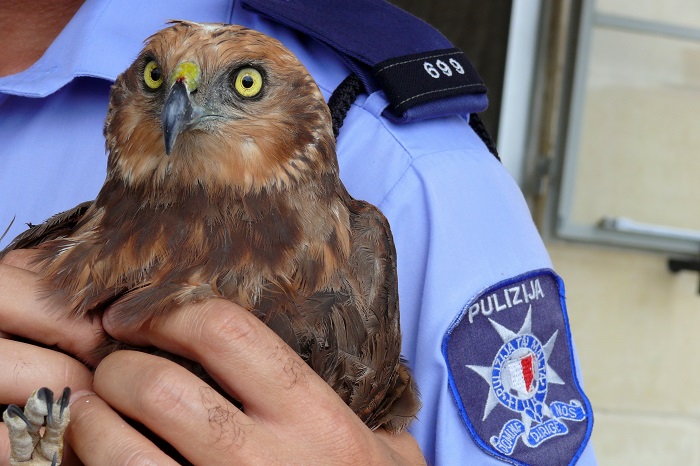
(267, 230)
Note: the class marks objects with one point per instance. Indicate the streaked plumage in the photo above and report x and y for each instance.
(247, 206)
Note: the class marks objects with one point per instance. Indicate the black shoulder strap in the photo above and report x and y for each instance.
(347, 91)
(342, 98)
(480, 129)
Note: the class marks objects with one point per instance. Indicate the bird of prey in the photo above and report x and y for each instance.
(222, 181)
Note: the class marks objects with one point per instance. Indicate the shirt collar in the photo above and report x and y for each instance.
(102, 40)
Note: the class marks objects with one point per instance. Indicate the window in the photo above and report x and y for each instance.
(631, 167)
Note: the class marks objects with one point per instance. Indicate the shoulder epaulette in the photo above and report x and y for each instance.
(421, 73)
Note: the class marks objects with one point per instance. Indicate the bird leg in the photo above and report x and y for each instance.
(28, 447)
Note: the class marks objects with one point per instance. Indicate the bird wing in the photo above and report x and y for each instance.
(57, 226)
(350, 336)
(389, 398)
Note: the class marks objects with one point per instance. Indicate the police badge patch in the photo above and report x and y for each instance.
(511, 373)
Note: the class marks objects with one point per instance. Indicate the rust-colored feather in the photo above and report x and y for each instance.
(248, 206)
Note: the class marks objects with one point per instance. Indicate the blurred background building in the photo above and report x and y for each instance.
(595, 106)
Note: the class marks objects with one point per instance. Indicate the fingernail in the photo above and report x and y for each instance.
(75, 396)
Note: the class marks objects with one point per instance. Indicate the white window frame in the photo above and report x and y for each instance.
(558, 221)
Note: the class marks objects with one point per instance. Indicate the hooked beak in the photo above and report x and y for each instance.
(179, 112)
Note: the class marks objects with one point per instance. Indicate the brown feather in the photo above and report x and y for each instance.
(248, 207)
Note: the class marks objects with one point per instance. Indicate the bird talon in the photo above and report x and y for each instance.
(16, 411)
(65, 400)
(28, 447)
(46, 396)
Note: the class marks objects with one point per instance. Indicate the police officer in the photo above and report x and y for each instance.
(482, 313)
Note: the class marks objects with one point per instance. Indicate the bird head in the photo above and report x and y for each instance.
(218, 106)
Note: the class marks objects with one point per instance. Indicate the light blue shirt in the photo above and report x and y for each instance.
(459, 221)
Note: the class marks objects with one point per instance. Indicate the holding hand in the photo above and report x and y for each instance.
(24, 313)
(289, 414)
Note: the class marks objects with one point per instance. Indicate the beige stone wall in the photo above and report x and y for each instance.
(636, 331)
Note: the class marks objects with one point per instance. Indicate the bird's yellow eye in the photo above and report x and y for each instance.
(248, 82)
(152, 75)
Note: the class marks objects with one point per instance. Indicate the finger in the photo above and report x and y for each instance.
(99, 436)
(4, 445)
(403, 448)
(244, 356)
(178, 407)
(21, 258)
(26, 368)
(24, 312)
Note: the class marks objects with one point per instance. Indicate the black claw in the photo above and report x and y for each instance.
(46, 395)
(65, 399)
(54, 461)
(16, 411)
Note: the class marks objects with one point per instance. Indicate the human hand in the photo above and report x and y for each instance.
(25, 313)
(289, 415)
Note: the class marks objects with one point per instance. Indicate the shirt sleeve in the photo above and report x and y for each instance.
(460, 225)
